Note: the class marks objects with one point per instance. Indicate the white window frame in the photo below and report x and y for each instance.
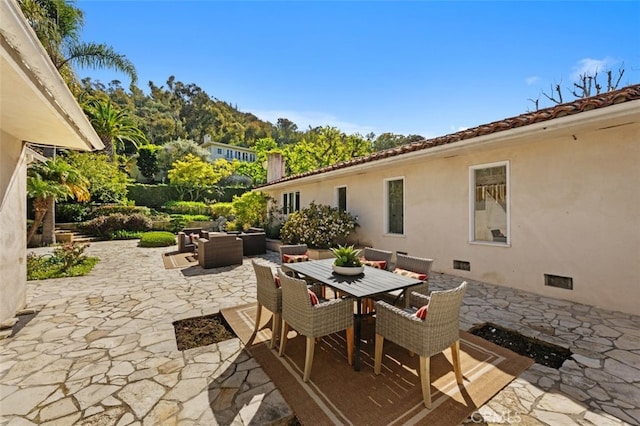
(385, 206)
(336, 193)
(295, 204)
(472, 203)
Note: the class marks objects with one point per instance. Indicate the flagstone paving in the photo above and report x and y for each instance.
(102, 351)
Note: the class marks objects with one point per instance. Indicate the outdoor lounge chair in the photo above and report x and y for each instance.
(184, 239)
(269, 296)
(312, 321)
(219, 250)
(438, 331)
(254, 242)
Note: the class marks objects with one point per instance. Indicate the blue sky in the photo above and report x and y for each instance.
(421, 67)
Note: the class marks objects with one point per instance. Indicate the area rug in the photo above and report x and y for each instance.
(174, 259)
(336, 394)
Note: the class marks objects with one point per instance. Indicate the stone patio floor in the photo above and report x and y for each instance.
(102, 351)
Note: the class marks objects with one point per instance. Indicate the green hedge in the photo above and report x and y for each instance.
(187, 207)
(154, 196)
(106, 210)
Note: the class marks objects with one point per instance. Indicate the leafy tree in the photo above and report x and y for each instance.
(192, 176)
(108, 184)
(47, 183)
(114, 127)
(324, 146)
(177, 150)
(286, 132)
(256, 170)
(392, 140)
(147, 162)
(58, 25)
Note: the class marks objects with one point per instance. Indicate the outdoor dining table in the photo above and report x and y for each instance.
(369, 283)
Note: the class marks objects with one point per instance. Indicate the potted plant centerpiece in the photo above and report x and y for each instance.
(347, 260)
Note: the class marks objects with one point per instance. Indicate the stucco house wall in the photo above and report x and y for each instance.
(36, 107)
(574, 203)
(13, 166)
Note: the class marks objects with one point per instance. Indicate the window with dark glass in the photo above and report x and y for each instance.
(342, 198)
(395, 206)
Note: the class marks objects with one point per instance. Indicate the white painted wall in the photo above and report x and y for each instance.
(574, 212)
(13, 225)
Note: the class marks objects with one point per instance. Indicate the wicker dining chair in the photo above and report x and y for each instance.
(270, 297)
(293, 250)
(376, 255)
(438, 331)
(418, 266)
(313, 321)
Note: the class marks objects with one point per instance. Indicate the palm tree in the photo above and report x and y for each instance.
(47, 183)
(114, 126)
(58, 24)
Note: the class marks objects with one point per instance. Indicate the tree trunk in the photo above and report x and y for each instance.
(49, 224)
(40, 209)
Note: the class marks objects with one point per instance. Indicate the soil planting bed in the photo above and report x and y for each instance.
(541, 352)
(201, 331)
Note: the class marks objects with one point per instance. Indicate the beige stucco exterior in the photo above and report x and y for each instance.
(37, 107)
(574, 199)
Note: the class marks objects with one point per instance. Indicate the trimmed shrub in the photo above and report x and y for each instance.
(318, 226)
(107, 226)
(221, 209)
(187, 207)
(72, 212)
(157, 239)
(109, 209)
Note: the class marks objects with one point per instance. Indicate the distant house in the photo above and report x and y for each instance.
(228, 152)
(546, 202)
(36, 107)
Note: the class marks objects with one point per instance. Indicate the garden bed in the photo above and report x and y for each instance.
(541, 352)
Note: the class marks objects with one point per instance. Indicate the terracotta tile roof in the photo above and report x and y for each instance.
(626, 94)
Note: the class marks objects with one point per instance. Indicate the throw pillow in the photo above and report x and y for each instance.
(294, 258)
(422, 312)
(411, 274)
(276, 281)
(378, 264)
(313, 297)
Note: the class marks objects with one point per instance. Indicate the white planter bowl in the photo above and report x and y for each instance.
(348, 270)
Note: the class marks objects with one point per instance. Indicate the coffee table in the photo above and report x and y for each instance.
(371, 282)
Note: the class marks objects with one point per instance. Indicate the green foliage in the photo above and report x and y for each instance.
(107, 183)
(194, 217)
(222, 209)
(67, 260)
(232, 225)
(157, 239)
(72, 212)
(187, 207)
(178, 150)
(106, 226)
(322, 147)
(154, 196)
(192, 176)
(251, 209)
(346, 256)
(318, 226)
(147, 161)
(107, 210)
(125, 235)
(115, 126)
(255, 170)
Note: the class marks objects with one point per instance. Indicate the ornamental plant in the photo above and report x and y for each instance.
(318, 226)
(346, 256)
